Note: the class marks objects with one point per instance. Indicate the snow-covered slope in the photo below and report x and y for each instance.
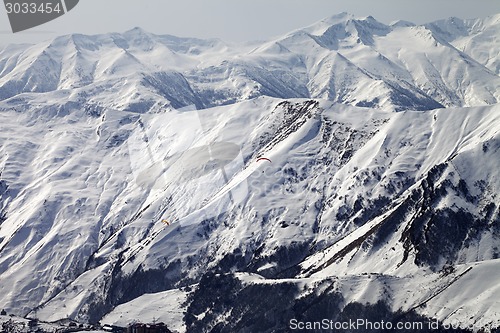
(477, 38)
(139, 169)
(349, 191)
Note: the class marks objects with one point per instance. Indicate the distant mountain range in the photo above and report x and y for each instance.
(346, 170)
(344, 59)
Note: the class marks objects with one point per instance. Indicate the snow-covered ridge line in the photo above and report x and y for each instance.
(287, 177)
(336, 170)
(357, 61)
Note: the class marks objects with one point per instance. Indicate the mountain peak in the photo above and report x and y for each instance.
(338, 18)
(320, 27)
(345, 18)
(402, 24)
(346, 21)
(136, 32)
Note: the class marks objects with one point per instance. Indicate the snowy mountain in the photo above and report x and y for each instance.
(477, 38)
(356, 61)
(345, 170)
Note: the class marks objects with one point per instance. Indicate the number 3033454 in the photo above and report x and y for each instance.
(33, 8)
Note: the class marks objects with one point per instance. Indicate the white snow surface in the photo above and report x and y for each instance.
(166, 307)
(357, 61)
(136, 152)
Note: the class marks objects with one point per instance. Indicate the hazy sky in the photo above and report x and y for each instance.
(234, 20)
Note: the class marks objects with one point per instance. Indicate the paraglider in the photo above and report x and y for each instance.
(263, 159)
(166, 222)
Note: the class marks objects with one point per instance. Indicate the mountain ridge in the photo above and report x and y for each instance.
(131, 169)
(248, 71)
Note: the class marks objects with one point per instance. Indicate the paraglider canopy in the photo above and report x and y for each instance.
(263, 159)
